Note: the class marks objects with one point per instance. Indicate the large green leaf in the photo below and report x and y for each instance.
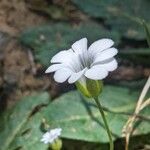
(30, 135)
(18, 126)
(49, 39)
(120, 15)
(138, 56)
(109, 8)
(80, 119)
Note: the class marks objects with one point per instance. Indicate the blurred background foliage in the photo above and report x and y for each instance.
(120, 20)
(22, 125)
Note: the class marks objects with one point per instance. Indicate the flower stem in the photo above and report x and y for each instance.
(105, 122)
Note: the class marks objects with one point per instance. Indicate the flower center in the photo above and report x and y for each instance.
(81, 61)
(85, 60)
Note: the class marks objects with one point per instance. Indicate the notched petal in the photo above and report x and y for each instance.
(96, 73)
(106, 54)
(80, 46)
(100, 45)
(62, 75)
(54, 67)
(62, 56)
(76, 76)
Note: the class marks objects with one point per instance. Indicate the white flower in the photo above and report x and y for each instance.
(80, 62)
(51, 135)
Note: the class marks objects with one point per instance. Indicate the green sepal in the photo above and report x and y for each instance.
(94, 87)
(83, 89)
(91, 89)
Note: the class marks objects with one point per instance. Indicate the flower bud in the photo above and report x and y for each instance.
(94, 87)
(56, 145)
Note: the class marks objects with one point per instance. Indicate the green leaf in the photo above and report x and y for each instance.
(49, 39)
(138, 55)
(20, 127)
(122, 16)
(96, 8)
(79, 118)
(16, 129)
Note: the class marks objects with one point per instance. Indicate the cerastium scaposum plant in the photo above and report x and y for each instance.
(86, 67)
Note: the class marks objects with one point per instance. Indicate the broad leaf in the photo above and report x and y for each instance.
(120, 15)
(80, 119)
(138, 56)
(14, 131)
(49, 39)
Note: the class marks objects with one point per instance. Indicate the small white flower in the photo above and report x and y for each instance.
(80, 62)
(51, 135)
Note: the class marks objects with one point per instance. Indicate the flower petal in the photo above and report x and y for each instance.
(100, 45)
(54, 67)
(96, 73)
(75, 76)
(106, 54)
(62, 56)
(80, 46)
(62, 75)
(109, 66)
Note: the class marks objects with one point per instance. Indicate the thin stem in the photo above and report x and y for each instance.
(105, 122)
